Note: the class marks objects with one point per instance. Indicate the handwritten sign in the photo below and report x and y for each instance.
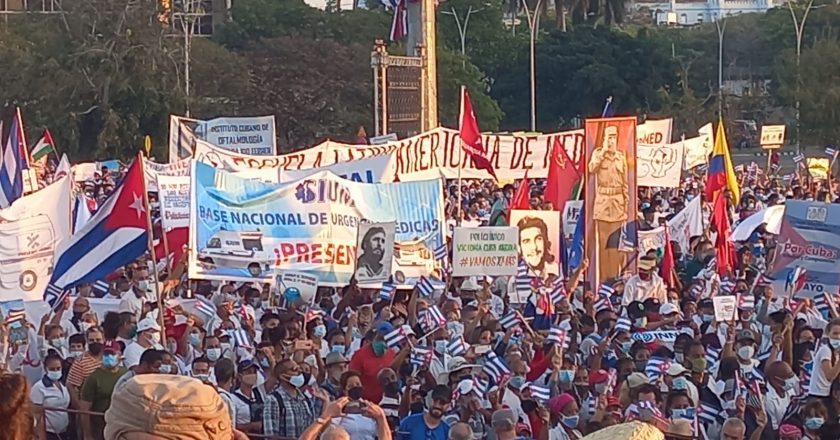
(484, 251)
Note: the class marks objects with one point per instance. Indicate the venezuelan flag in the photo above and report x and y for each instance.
(721, 173)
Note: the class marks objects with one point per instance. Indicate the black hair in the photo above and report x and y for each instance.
(224, 370)
(442, 393)
(151, 356)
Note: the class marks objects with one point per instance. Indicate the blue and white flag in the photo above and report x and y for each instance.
(387, 291)
(420, 356)
(496, 368)
(539, 393)
(425, 287)
(81, 212)
(457, 346)
(14, 162)
(114, 237)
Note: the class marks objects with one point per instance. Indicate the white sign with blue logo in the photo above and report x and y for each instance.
(243, 229)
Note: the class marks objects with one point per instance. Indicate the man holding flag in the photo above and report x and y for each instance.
(721, 177)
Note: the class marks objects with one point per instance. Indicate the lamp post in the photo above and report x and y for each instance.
(721, 29)
(462, 29)
(534, 24)
(799, 25)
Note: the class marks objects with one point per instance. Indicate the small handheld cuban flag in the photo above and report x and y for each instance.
(481, 386)
(240, 338)
(830, 151)
(100, 288)
(523, 281)
(656, 367)
(559, 336)
(441, 253)
(54, 296)
(606, 290)
(727, 285)
(539, 393)
(387, 291)
(398, 335)
(425, 287)
(205, 307)
(457, 346)
(420, 356)
(558, 290)
(510, 321)
(623, 324)
(746, 301)
(821, 303)
(496, 368)
(712, 355)
(739, 168)
(431, 319)
(799, 159)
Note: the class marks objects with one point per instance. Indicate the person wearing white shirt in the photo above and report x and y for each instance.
(826, 363)
(132, 301)
(50, 392)
(645, 284)
(782, 385)
(224, 371)
(148, 336)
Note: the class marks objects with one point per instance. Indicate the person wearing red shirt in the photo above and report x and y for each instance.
(372, 358)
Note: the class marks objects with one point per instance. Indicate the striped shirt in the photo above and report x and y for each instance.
(81, 369)
(287, 416)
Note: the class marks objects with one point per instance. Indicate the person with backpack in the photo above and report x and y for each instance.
(288, 411)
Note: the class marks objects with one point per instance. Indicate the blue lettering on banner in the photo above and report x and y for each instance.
(323, 191)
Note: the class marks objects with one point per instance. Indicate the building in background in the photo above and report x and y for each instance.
(694, 12)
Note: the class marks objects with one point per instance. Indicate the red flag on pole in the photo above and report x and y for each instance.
(723, 247)
(522, 198)
(669, 271)
(562, 177)
(471, 142)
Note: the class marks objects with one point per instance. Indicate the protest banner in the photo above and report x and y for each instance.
(610, 202)
(174, 196)
(659, 165)
(379, 169)
(809, 238)
(30, 231)
(772, 136)
(375, 252)
(422, 157)
(485, 251)
(538, 240)
(154, 169)
(818, 167)
(571, 214)
(653, 336)
(254, 135)
(725, 306)
(696, 151)
(685, 224)
(295, 286)
(654, 132)
(243, 229)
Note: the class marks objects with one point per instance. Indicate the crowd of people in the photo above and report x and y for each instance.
(464, 362)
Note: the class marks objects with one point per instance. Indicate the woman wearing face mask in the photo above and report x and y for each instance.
(50, 392)
(814, 416)
(248, 398)
(826, 364)
(354, 421)
(317, 331)
(563, 420)
(678, 406)
(54, 338)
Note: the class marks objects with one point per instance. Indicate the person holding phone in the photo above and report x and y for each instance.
(361, 419)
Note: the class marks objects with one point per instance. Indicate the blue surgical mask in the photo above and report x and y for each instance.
(517, 381)
(165, 369)
(626, 345)
(680, 383)
(440, 346)
(319, 331)
(570, 421)
(264, 362)
(297, 380)
(110, 360)
(54, 376)
(566, 376)
(814, 423)
(708, 318)
(213, 354)
(194, 339)
(337, 349)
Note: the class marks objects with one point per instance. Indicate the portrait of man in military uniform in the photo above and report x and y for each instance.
(610, 192)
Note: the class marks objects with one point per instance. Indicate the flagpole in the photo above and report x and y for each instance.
(460, 159)
(151, 246)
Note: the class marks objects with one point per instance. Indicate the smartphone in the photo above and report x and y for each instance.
(303, 345)
(354, 407)
(482, 349)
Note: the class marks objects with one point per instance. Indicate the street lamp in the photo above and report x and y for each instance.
(462, 30)
(721, 29)
(534, 24)
(800, 30)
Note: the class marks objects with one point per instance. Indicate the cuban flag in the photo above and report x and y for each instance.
(82, 211)
(795, 280)
(14, 162)
(115, 236)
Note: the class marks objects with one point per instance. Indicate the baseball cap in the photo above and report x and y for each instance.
(598, 376)
(147, 324)
(335, 358)
(246, 364)
(112, 345)
(668, 309)
(646, 263)
(384, 328)
(635, 380)
(180, 406)
(746, 335)
(676, 369)
(557, 403)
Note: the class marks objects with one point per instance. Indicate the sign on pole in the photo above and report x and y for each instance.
(772, 136)
(485, 251)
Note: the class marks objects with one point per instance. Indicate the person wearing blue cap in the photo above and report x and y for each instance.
(372, 358)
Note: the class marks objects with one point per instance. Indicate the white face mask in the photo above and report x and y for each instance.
(746, 352)
(213, 354)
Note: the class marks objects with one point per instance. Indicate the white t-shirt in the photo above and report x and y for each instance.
(776, 405)
(229, 401)
(55, 396)
(132, 353)
(131, 303)
(820, 385)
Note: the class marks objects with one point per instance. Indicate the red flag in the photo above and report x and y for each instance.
(562, 177)
(471, 136)
(176, 239)
(522, 198)
(723, 247)
(668, 266)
